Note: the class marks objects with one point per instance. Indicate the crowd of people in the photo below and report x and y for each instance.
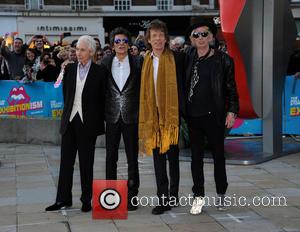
(35, 60)
(40, 60)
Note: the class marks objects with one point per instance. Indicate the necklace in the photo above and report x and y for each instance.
(195, 75)
(205, 56)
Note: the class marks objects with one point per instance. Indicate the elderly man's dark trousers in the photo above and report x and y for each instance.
(73, 140)
(202, 127)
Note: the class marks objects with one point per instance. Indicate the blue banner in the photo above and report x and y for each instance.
(55, 101)
(246, 127)
(41, 99)
(292, 105)
(37, 99)
(290, 114)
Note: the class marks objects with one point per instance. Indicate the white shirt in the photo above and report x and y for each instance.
(77, 106)
(120, 71)
(155, 61)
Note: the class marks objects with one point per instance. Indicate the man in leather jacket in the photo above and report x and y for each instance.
(211, 105)
(121, 109)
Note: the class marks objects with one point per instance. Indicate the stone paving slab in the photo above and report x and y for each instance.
(28, 180)
(275, 184)
(36, 195)
(201, 227)
(294, 201)
(287, 192)
(79, 226)
(44, 227)
(7, 178)
(39, 217)
(31, 208)
(8, 201)
(182, 216)
(7, 172)
(153, 228)
(8, 220)
(8, 228)
(288, 225)
(254, 226)
(281, 213)
(9, 189)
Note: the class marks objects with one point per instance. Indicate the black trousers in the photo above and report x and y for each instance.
(73, 140)
(130, 137)
(199, 128)
(161, 176)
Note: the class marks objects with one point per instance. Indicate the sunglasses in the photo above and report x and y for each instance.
(204, 34)
(125, 40)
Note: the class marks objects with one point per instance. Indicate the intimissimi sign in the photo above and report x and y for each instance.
(61, 28)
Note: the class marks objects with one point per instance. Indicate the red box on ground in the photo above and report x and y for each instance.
(110, 199)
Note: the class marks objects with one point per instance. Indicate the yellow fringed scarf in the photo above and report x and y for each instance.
(158, 123)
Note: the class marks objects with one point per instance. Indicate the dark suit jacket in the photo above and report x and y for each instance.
(125, 102)
(180, 75)
(93, 99)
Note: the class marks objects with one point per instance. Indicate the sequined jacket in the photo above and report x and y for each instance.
(123, 103)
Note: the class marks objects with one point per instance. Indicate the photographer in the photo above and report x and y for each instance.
(30, 67)
(4, 68)
(48, 71)
(15, 58)
(39, 42)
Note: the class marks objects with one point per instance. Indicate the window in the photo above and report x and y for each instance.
(79, 5)
(34, 4)
(297, 21)
(122, 4)
(164, 4)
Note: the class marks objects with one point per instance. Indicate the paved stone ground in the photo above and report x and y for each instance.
(28, 180)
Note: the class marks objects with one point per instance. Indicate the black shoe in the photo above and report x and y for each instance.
(86, 207)
(58, 206)
(160, 209)
(131, 207)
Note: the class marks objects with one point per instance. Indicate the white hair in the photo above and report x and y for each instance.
(179, 40)
(89, 41)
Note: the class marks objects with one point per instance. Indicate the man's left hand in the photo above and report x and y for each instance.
(230, 119)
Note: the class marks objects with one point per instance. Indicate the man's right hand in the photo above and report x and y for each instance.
(297, 75)
(32, 39)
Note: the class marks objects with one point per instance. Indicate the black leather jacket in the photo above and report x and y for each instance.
(223, 82)
(123, 103)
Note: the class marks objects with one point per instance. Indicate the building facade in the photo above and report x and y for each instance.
(98, 17)
(295, 5)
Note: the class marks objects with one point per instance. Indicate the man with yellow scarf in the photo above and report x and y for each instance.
(160, 104)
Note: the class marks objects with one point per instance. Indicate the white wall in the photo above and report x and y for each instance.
(7, 25)
(28, 26)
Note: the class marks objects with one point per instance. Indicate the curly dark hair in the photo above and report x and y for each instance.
(119, 31)
(157, 24)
